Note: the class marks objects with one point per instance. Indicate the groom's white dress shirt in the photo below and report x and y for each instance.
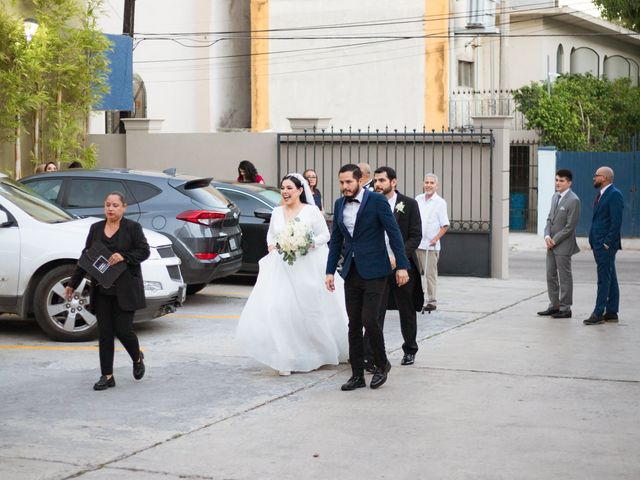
(350, 212)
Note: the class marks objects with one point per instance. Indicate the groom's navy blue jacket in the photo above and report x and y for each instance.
(367, 246)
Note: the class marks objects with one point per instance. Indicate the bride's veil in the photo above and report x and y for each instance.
(305, 185)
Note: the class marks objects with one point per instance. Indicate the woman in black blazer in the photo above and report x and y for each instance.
(115, 306)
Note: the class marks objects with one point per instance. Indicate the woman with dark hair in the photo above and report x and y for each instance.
(114, 306)
(50, 167)
(291, 322)
(248, 173)
(311, 176)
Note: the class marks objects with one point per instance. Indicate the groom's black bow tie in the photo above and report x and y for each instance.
(352, 199)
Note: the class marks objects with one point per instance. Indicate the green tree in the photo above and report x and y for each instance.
(624, 12)
(49, 85)
(582, 113)
(19, 65)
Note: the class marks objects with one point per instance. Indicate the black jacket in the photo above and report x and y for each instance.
(407, 215)
(133, 246)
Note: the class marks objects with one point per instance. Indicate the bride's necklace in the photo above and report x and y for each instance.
(291, 213)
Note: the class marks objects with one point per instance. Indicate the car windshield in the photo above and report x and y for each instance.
(31, 203)
(272, 195)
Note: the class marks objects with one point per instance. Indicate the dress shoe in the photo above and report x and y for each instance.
(369, 367)
(429, 307)
(356, 381)
(408, 359)
(548, 311)
(562, 314)
(138, 367)
(593, 320)
(610, 317)
(104, 383)
(380, 376)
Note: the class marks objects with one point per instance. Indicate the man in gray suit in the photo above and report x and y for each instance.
(560, 237)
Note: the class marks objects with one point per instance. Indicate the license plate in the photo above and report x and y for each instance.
(233, 244)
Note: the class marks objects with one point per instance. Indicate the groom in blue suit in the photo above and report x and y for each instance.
(361, 218)
(604, 238)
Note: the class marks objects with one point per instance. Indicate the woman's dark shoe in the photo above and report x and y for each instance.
(104, 383)
(138, 367)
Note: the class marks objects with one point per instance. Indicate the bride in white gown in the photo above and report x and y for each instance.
(291, 322)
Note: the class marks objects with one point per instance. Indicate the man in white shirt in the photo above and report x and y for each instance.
(435, 222)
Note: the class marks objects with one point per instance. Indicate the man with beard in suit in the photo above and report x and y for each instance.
(604, 238)
(361, 219)
(408, 297)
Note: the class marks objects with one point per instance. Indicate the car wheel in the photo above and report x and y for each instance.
(62, 320)
(195, 288)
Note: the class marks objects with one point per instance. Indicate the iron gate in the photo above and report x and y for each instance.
(461, 160)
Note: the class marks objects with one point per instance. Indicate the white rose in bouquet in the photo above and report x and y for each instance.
(296, 239)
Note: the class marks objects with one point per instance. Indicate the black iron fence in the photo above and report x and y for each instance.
(461, 160)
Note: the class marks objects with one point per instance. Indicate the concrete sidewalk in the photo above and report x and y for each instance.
(496, 393)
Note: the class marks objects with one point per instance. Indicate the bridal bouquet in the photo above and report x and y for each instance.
(296, 239)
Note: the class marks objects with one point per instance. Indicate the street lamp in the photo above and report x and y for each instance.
(30, 28)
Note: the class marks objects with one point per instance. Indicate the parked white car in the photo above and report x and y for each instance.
(39, 246)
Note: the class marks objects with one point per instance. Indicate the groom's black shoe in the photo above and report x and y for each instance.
(380, 376)
(548, 312)
(356, 381)
(408, 359)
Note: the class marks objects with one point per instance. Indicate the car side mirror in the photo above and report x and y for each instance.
(263, 213)
(4, 219)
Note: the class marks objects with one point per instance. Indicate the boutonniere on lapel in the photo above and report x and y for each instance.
(400, 207)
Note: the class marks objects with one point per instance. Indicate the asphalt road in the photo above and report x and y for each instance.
(496, 393)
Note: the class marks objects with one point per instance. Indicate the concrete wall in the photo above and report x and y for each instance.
(203, 154)
(377, 84)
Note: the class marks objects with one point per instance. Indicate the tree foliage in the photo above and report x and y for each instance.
(624, 12)
(49, 85)
(582, 113)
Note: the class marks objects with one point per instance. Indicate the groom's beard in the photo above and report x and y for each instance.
(346, 193)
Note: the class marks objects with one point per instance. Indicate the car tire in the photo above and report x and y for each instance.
(60, 319)
(194, 288)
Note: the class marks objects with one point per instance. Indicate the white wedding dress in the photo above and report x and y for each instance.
(291, 322)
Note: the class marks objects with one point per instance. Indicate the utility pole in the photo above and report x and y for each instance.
(127, 29)
(128, 17)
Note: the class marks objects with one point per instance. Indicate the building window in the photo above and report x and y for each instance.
(465, 74)
(585, 60)
(616, 66)
(560, 60)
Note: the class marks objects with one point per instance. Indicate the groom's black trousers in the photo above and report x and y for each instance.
(403, 298)
(364, 299)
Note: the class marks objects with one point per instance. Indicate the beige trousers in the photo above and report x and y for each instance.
(428, 273)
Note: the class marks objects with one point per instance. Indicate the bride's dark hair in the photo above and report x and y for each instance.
(298, 184)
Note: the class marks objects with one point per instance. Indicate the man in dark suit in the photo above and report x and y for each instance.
(560, 238)
(360, 221)
(406, 298)
(604, 238)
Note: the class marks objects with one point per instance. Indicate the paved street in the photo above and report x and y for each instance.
(496, 393)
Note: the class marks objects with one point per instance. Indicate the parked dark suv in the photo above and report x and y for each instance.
(201, 223)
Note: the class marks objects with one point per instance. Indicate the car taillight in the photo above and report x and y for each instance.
(203, 217)
(206, 256)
